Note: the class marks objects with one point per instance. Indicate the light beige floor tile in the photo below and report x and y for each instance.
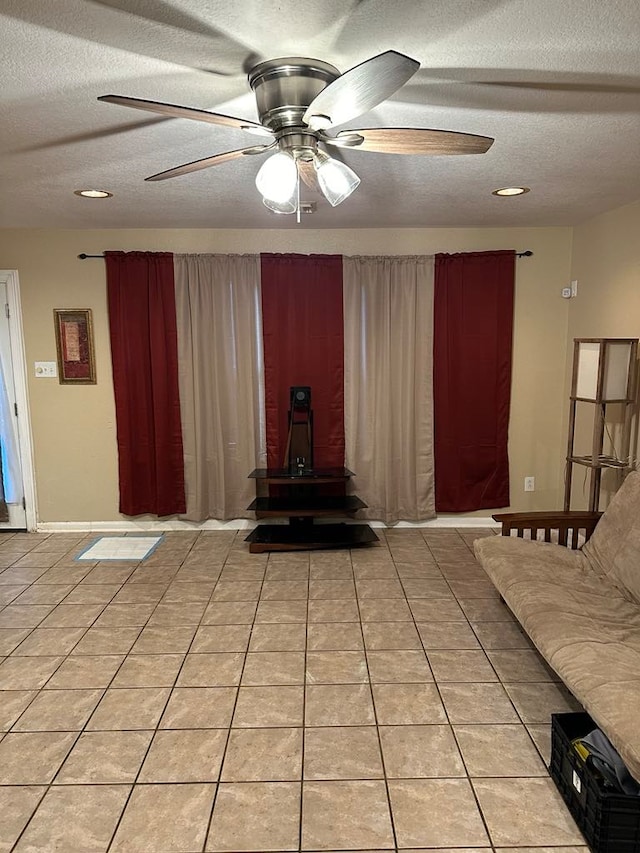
(140, 593)
(129, 708)
(177, 615)
(407, 704)
(501, 635)
(447, 635)
(412, 752)
(10, 638)
(469, 589)
(180, 819)
(230, 613)
(334, 636)
(143, 574)
(461, 665)
(222, 669)
(339, 705)
(163, 641)
(237, 591)
(536, 702)
(346, 815)
(404, 666)
(273, 668)
(148, 671)
(263, 755)
(16, 807)
(286, 637)
(437, 610)
(541, 735)
(287, 573)
(12, 704)
(385, 610)
(9, 592)
(429, 588)
(380, 588)
(390, 635)
(255, 816)
(234, 638)
(269, 706)
(335, 610)
(75, 818)
(24, 616)
(58, 710)
(188, 755)
(105, 758)
(477, 703)
(124, 615)
(199, 708)
(43, 594)
(180, 592)
(50, 641)
(85, 671)
(73, 616)
(382, 571)
(22, 674)
(351, 752)
(336, 668)
(18, 576)
(33, 758)
(92, 593)
(284, 590)
(106, 641)
(485, 610)
(498, 750)
(521, 665)
(281, 611)
(436, 812)
(525, 812)
(323, 590)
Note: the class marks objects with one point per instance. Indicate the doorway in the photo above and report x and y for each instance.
(15, 426)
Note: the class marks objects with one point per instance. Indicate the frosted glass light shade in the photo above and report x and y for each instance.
(607, 358)
(277, 178)
(337, 181)
(289, 205)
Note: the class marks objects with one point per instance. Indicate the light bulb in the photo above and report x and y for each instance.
(337, 181)
(277, 178)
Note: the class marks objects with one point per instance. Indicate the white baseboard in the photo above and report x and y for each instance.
(126, 526)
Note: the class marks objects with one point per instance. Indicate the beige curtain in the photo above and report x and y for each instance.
(221, 381)
(388, 339)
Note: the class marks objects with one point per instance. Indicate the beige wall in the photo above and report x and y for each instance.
(74, 427)
(606, 264)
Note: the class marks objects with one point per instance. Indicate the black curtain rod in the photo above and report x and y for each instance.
(527, 254)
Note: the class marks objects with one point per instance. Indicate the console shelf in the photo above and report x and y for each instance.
(301, 496)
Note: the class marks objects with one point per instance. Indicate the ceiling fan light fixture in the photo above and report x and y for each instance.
(277, 178)
(290, 205)
(510, 191)
(93, 193)
(336, 180)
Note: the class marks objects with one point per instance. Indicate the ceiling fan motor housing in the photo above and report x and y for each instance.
(284, 88)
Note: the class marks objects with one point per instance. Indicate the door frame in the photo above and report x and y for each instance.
(19, 365)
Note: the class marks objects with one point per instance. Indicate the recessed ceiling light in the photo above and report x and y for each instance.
(93, 193)
(511, 191)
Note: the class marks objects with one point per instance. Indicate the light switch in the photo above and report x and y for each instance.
(46, 369)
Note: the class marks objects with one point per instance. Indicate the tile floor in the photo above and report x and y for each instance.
(208, 699)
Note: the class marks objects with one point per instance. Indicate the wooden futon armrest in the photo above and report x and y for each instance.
(563, 522)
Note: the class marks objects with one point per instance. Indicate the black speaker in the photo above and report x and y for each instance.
(300, 396)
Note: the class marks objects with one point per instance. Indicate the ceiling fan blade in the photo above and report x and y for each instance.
(175, 111)
(215, 160)
(361, 88)
(408, 140)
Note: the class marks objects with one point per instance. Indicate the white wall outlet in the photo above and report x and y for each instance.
(529, 484)
(46, 369)
(566, 293)
(574, 287)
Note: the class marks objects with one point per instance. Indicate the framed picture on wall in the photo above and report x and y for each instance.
(74, 342)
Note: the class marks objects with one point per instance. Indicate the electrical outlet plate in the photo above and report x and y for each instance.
(529, 484)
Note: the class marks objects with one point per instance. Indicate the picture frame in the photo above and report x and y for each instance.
(75, 348)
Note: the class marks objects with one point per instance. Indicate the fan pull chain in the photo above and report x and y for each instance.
(298, 197)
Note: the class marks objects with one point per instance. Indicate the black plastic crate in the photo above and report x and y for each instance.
(609, 821)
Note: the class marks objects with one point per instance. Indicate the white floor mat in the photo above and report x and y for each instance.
(120, 548)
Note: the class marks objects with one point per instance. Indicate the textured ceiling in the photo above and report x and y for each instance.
(555, 82)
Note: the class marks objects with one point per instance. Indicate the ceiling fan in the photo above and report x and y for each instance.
(299, 101)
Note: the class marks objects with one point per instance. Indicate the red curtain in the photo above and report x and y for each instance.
(142, 325)
(473, 322)
(303, 345)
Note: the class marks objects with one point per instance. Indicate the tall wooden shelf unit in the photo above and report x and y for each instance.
(303, 496)
(604, 374)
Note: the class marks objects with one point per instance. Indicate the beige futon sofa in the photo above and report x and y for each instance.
(581, 608)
